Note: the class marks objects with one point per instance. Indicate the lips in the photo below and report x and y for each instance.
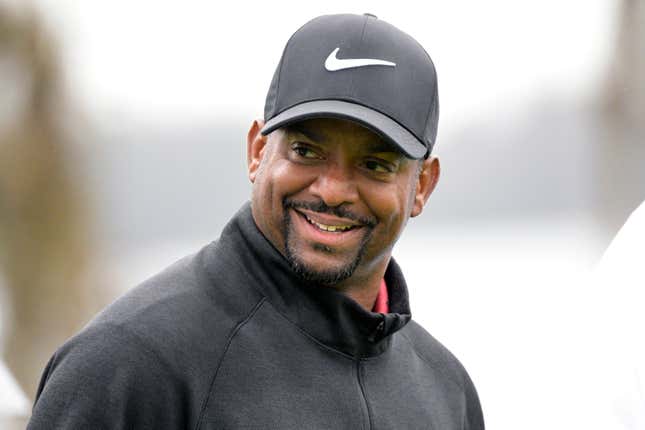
(326, 229)
(328, 224)
(329, 228)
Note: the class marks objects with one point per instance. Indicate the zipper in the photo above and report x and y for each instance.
(363, 396)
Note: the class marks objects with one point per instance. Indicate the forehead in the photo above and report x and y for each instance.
(338, 131)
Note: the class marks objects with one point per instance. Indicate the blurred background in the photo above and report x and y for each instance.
(122, 149)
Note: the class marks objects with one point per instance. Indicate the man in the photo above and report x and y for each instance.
(296, 317)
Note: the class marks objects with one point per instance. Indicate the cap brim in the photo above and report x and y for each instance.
(381, 124)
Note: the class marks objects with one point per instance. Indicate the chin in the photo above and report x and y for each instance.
(329, 272)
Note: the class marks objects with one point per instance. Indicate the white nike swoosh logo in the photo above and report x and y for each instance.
(333, 63)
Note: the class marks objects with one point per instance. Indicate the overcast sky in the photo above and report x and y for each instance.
(186, 60)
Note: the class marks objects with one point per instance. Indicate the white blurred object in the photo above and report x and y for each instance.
(619, 319)
(13, 402)
(623, 260)
(14, 406)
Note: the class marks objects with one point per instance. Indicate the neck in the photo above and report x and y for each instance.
(364, 287)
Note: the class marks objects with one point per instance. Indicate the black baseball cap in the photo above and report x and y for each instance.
(360, 68)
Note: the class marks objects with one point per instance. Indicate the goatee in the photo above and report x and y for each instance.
(300, 267)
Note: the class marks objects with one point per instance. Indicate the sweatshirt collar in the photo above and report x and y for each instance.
(322, 312)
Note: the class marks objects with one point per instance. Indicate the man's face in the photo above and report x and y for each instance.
(333, 197)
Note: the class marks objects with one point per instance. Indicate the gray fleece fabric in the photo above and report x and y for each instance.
(230, 338)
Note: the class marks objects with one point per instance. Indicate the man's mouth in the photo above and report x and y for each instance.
(331, 228)
(326, 223)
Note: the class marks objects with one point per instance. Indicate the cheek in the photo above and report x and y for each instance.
(290, 178)
(281, 179)
(388, 202)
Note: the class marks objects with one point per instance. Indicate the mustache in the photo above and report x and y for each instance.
(321, 207)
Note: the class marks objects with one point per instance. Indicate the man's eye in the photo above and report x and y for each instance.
(304, 152)
(377, 166)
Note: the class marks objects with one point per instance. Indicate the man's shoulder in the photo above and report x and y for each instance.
(187, 290)
(436, 355)
(183, 312)
(160, 343)
(165, 302)
(178, 288)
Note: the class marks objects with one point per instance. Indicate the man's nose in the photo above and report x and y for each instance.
(336, 185)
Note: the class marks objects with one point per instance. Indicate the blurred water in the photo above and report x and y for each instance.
(505, 300)
(154, 182)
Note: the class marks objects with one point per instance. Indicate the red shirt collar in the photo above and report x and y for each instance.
(381, 304)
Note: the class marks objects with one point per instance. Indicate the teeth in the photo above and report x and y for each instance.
(332, 228)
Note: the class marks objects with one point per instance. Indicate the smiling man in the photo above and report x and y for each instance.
(333, 197)
(297, 317)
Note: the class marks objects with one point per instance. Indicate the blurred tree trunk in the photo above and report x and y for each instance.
(620, 159)
(43, 227)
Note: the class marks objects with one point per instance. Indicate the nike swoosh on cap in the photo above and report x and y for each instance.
(333, 63)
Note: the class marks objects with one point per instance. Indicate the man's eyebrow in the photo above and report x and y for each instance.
(309, 134)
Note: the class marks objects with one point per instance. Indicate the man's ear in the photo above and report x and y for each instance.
(426, 183)
(255, 144)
